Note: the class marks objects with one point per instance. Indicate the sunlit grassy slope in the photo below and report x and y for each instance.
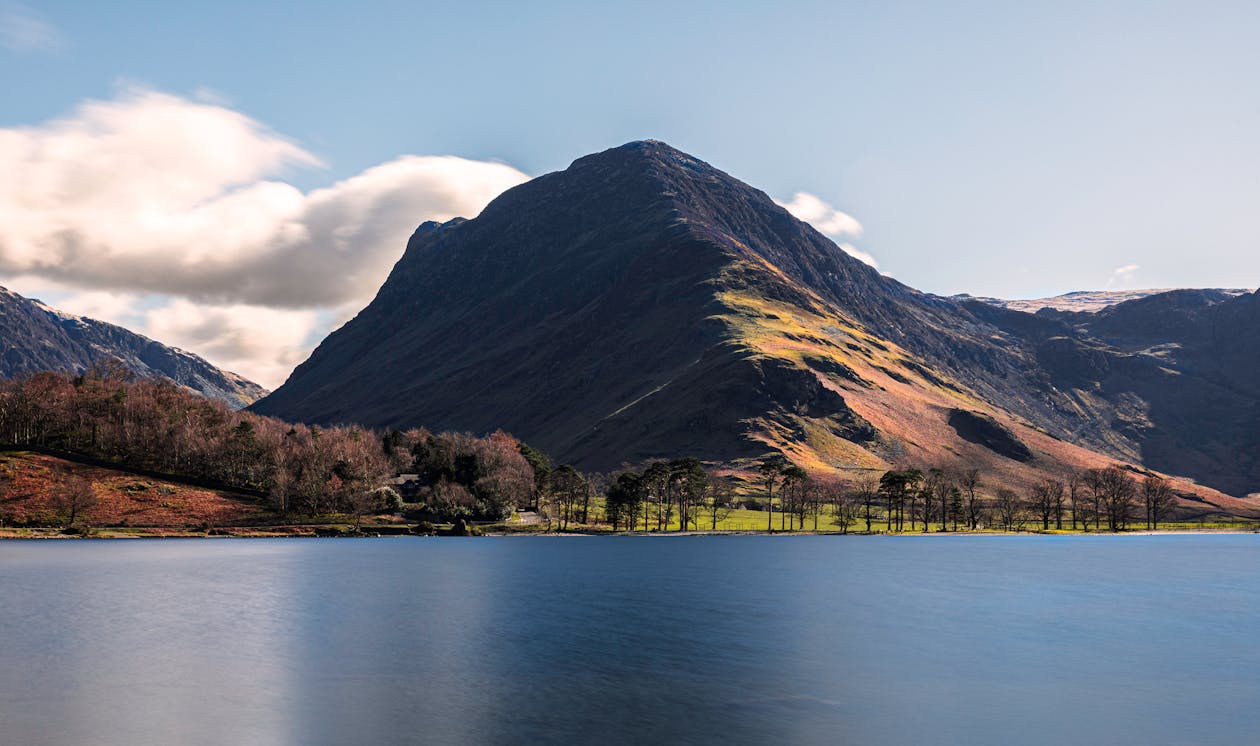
(906, 402)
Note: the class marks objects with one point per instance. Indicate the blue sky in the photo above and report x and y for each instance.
(1011, 149)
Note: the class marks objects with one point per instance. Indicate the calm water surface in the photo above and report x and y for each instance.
(980, 640)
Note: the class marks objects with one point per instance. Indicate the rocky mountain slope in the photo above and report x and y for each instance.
(1088, 301)
(642, 303)
(34, 337)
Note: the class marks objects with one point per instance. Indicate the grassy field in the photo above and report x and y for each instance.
(746, 520)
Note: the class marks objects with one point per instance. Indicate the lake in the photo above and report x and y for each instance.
(734, 639)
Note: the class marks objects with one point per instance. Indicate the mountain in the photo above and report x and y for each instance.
(34, 337)
(643, 303)
(1088, 301)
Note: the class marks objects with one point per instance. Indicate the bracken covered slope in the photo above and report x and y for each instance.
(642, 303)
(34, 337)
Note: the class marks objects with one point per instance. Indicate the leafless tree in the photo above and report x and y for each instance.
(1080, 500)
(1010, 510)
(1047, 497)
(1157, 496)
(867, 493)
(72, 494)
(973, 506)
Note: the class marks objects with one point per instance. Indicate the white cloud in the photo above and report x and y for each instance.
(23, 30)
(830, 221)
(168, 215)
(822, 216)
(859, 255)
(1121, 276)
(156, 193)
(262, 344)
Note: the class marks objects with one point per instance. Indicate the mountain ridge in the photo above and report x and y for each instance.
(1086, 301)
(36, 337)
(643, 303)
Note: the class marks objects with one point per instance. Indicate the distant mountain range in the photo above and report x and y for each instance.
(642, 303)
(35, 337)
(1086, 301)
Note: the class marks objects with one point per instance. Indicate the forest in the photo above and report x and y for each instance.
(301, 470)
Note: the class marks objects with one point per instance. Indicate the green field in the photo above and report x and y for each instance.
(742, 519)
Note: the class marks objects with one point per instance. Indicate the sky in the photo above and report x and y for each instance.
(237, 178)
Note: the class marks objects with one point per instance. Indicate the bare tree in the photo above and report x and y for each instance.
(1157, 496)
(969, 482)
(1095, 480)
(844, 504)
(72, 494)
(1080, 499)
(1009, 510)
(1047, 494)
(1119, 496)
(939, 485)
(867, 489)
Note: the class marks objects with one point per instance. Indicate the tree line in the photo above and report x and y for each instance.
(155, 425)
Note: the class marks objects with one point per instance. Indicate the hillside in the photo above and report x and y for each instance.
(33, 491)
(642, 303)
(35, 337)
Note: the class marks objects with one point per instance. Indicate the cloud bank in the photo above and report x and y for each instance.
(829, 221)
(169, 215)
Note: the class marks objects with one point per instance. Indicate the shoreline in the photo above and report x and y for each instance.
(228, 532)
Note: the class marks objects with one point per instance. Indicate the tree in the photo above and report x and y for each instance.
(386, 500)
(938, 487)
(567, 488)
(719, 500)
(791, 493)
(897, 486)
(817, 496)
(624, 499)
(1080, 500)
(1047, 494)
(956, 513)
(452, 500)
(771, 471)
(969, 482)
(1115, 492)
(686, 486)
(1157, 496)
(72, 494)
(656, 479)
(1010, 511)
(844, 504)
(1096, 481)
(540, 465)
(867, 489)
(1058, 507)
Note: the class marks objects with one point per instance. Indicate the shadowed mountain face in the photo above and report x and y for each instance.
(642, 303)
(34, 337)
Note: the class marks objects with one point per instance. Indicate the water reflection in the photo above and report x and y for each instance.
(631, 640)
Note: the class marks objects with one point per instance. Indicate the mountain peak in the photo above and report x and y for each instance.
(654, 155)
(642, 303)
